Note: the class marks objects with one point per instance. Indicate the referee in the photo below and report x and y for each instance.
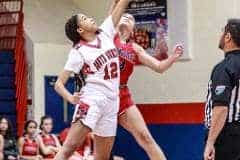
(222, 112)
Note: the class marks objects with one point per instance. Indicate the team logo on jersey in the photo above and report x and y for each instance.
(82, 111)
(220, 90)
(86, 69)
(103, 58)
(126, 55)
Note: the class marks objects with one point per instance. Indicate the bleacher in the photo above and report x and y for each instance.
(12, 63)
(7, 86)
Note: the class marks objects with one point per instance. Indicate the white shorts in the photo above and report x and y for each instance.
(97, 112)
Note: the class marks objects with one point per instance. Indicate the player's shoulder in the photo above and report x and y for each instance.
(103, 35)
(76, 51)
(21, 139)
(77, 46)
(80, 48)
(221, 68)
(217, 69)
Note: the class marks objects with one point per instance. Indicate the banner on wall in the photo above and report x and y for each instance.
(151, 30)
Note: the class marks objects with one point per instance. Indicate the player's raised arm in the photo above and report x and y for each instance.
(153, 63)
(119, 10)
(112, 6)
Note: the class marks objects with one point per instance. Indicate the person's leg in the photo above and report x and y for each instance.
(133, 121)
(103, 147)
(223, 146)
(75, 137)
(84, 121)
(236, 146)
(235, 135)
(105, 130)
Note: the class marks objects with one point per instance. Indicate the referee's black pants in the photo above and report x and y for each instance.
(227, 146)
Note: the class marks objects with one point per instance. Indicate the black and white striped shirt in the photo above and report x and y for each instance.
(223, 88)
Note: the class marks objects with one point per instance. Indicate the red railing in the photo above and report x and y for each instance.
(11, 38)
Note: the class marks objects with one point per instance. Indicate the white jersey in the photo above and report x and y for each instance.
(99, 60)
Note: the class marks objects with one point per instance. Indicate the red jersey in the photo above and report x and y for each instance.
(49, 141)
(127, 59)
(30, 147)
(80, 149)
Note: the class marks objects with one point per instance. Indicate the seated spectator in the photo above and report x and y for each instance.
(1, 147)
(82, 152)
(49, 143)
(10, 151)
(28, 144)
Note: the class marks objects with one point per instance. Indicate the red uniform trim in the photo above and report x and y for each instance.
(176, 113)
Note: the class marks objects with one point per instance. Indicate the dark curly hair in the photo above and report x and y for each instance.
(233, 27)
(71, 27)
(9, 131)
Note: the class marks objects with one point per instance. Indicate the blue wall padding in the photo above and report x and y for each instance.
(7, 69)
(6, 57)
(179, 142)
(7, 107)
(7, 82)
(7, 94)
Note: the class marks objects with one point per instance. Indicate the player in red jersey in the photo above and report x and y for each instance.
(49, 143)
(130, 53)
(129, 116)
(28, 144)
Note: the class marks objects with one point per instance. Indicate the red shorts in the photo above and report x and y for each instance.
(125, 100)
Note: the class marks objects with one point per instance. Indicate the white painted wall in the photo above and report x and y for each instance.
(49, 59)
(95, 8)
(45, 19)
(184, 82)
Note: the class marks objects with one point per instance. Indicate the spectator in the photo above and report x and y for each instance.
(82, 152)
(10, 151)
(49, 143)
(28, 144)
(1, 147)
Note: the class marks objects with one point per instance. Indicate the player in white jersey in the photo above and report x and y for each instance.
(96, 107)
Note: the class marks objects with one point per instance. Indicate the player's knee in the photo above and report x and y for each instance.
(66, 152)
(69, 147)
(146, 138)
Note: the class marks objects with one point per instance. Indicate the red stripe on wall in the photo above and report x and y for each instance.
(178, 113)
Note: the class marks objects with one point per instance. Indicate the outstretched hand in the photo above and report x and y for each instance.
(178, 51)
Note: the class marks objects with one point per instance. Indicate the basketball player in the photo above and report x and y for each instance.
(93, 52)
(129, 116)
